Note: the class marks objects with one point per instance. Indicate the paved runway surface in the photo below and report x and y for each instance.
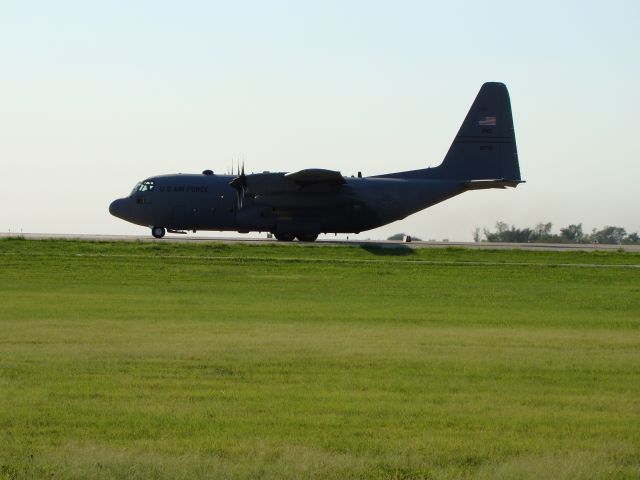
(381, 243)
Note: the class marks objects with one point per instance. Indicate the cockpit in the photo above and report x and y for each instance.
(146, 186)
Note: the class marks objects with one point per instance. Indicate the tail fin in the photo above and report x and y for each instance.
(485, 146)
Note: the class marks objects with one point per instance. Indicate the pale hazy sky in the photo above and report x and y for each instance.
(98, 95)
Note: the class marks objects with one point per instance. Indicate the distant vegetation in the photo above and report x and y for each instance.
(541, 233)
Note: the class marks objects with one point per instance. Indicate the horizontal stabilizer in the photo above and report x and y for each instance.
(491, 183)
(316, 175)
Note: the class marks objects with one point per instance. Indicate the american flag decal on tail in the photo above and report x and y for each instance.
(487, 121)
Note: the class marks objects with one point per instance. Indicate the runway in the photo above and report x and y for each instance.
(322, 241)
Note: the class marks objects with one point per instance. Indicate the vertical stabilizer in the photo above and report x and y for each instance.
(485, 146)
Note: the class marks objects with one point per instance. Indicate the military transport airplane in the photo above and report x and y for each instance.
(308, 202)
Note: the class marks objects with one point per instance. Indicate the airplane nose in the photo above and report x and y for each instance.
(117, 207)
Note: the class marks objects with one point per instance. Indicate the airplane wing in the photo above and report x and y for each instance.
(316, 175)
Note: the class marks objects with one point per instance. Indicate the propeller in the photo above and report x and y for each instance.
(240, 184)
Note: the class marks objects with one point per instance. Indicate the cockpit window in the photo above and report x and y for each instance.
(146, 186)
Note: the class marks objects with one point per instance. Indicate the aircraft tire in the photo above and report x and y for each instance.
(284, 237)
(158, 232)
(307, 237)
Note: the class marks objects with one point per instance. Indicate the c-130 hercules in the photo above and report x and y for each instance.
(306, 203)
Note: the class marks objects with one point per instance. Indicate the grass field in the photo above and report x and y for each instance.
(158, 360)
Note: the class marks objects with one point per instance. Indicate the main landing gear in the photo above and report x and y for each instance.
(302, 237)
(307, 237)
(284, 237)
(158, 232)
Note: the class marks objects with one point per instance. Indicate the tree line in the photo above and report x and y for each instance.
(541, 233)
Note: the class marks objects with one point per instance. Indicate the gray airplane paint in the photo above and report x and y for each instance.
(312, 201)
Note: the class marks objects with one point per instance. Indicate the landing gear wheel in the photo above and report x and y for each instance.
(283, 237)
(158, 232)
(307, 237)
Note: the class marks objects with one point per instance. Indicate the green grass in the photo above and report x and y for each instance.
(158, 360)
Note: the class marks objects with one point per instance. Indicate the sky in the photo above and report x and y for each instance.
(95, 96)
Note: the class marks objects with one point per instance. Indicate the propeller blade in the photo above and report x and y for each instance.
(240, 184)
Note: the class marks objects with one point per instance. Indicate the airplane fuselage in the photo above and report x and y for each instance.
(209, 202)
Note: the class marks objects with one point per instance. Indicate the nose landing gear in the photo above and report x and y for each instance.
(158, 232)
